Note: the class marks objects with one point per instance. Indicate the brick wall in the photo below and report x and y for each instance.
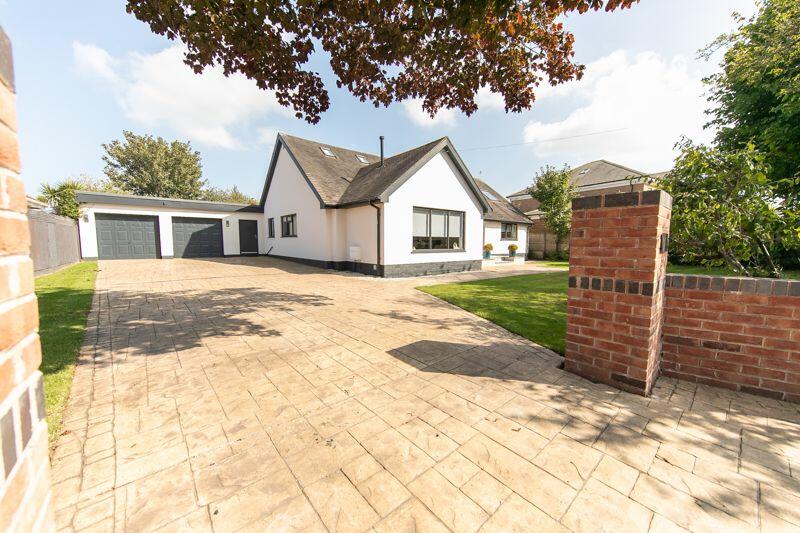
(25, 486)
(616, 278)
(737, 333)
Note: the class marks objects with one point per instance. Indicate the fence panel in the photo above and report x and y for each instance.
(54, 241)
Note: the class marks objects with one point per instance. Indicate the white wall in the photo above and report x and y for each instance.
(439, 185)
(491, 235)
(289, 193)
(362, 231)
(230, 226)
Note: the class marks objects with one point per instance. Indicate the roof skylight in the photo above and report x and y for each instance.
(327, 151)
(584, 172)
(362, 158)
(490, 196)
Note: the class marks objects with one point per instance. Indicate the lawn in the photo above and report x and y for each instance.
(533, 306)
(65, 299)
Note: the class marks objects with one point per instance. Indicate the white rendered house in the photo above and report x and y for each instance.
(415, 213)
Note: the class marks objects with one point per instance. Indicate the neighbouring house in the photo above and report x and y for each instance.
(597, 177)
(415, 213)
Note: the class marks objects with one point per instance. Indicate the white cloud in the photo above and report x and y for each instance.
(653, 99)
(157, 89)
(267, 136)
(95, 61)
(420, 117)
(487, 99)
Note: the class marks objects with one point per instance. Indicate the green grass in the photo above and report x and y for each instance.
(533, 306)
(550, 264)
(65, 299)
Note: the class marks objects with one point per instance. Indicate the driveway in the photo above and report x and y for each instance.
(256, 394)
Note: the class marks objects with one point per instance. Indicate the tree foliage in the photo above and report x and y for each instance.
(442, 51)
(554, 191)
(726, 211)
(61, 196)
(150, 166)
(231, 195)
(757, 92)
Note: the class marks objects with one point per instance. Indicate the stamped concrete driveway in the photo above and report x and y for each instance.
(266, 396)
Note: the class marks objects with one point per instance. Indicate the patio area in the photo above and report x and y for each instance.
(261, 395)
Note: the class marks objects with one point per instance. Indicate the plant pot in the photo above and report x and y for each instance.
(487, 255)
(512, 253)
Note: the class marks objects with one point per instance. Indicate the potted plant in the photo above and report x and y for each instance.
(512, 250)
(487, 250)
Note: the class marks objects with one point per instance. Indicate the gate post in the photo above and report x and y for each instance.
(617, 268)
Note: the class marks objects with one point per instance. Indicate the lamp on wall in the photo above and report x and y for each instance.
(227, 223)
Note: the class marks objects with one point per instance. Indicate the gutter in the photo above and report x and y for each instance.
(378, 228)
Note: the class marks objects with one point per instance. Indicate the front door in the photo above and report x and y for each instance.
(248, 237)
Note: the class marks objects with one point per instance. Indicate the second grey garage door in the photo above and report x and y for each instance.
(197, 237)
(127, 236)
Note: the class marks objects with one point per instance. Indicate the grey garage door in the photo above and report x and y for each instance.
(127, 236)
(197, 237)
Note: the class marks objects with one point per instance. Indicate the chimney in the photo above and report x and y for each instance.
(381, 150)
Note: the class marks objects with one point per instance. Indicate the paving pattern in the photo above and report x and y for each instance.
(260, 395)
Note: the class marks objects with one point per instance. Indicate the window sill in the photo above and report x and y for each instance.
(439, 251)
(513, 239)
(290, 236)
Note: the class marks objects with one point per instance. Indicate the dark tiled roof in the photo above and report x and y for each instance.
(328, 175)
(371, 181)
(501, 209)
(596, 173)
(344, 180)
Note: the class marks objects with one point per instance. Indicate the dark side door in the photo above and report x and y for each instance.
(248, 237)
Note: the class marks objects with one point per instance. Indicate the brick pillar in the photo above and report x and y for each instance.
(616, 287)
(25, 472)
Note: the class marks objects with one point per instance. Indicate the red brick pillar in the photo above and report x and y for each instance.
(25, 471)
(616, 288)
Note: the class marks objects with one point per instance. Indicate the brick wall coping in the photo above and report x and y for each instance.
(625, 199)
(762, 286)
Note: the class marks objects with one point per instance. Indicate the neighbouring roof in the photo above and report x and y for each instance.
(90, 197)
(345, 180)
(596, 173)
(501, 210)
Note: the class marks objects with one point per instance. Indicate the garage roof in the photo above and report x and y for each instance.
(90, 197)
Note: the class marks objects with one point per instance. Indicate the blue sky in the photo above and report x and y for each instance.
(87, 70)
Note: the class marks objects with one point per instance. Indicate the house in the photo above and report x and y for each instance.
(596, 177)
(415, 213)
(504, 225)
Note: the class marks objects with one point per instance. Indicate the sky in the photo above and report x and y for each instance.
(86, 71)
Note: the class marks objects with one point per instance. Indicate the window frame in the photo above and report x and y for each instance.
(515, 234)
(447, 213)
(271, 228)
(293, 218)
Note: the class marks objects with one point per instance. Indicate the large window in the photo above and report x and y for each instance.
(508, 232)
(289, 226)
(270, 228)
(437, 229)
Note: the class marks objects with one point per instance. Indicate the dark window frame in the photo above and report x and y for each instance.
(509, 235)
(285, 220)
(271, 228)
(447, 213)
